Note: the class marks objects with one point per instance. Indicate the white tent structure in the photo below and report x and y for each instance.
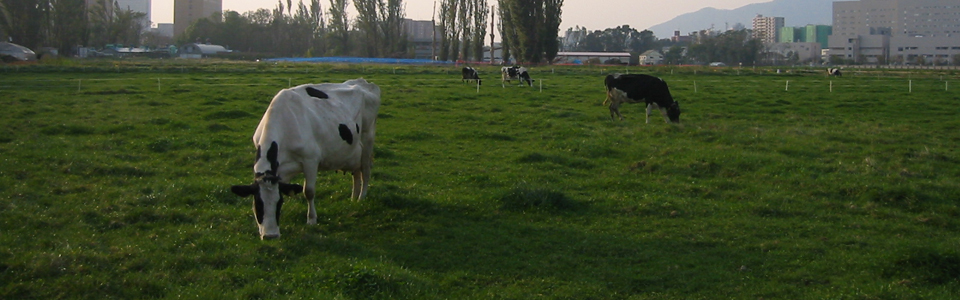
(10, 52)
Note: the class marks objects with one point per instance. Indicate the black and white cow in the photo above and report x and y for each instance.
(634, 88)
(515, 73)
(307, 128)
(834, 72)
(470, 74)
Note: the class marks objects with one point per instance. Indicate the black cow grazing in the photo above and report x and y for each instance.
(634, 88)
(470, 74)
(515, 73)
(834, 72)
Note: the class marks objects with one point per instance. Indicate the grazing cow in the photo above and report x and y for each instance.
(311, 127)
(834, 72)
(515, 73)
(470, 74)
(634, 88)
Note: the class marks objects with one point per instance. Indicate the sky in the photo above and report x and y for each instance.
(592, 14)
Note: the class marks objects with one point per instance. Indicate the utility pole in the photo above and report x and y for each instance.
(493, 30)
(433, 23)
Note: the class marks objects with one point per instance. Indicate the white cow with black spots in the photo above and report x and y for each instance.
(517, 73)
(834, 72)
(308, 128)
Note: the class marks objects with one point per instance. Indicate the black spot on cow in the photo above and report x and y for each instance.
(345, 133)
(272, 158)
(358, 127)
(316, 93)
(258, 208)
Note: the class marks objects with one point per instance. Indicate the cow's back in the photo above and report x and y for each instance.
(639, 86)
(312, 121)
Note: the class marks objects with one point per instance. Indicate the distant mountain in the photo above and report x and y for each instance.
(795, 13)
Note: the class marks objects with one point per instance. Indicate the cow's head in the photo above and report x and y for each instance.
(673, 112)
(268, 191)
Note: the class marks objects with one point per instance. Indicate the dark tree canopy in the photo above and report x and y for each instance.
(530, 29)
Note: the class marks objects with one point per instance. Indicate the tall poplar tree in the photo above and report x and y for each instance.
(507, 30)
(552, 10)
(480, 13)
(391, 23)
(368, 22)
(444, 26)
(530, 28)
(466, 26)
(339, 32)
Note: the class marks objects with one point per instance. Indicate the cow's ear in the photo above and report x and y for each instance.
(244, 190)
(290, 189)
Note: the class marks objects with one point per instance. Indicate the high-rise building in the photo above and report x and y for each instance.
(186, 12)
(767, 29)
(141, 6)
(896, 31)
(792, 35)
(819, 34)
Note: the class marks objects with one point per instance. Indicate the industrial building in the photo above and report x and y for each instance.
(896, 32)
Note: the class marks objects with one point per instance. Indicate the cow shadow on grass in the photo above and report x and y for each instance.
(401, 244)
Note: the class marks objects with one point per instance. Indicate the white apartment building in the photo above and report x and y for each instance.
(767, 29)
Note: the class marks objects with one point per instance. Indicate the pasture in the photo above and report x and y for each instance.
(114, 184)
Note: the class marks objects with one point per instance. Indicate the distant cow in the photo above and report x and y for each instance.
(470, 74)
(515, 73)
(834, 72)
(634, 88)
(311, 127)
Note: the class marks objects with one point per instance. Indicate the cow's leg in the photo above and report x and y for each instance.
(310, 190)
(615, 110)
(361, 181)
(663, 111)
(649, 108)
(361, 177)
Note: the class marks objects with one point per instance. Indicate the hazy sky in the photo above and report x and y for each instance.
(592, 14)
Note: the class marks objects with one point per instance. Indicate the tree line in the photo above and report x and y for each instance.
(528, 28)
(307, 30)
(65, 24)
(731, 47)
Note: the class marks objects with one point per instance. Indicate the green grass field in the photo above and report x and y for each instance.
(114, 184)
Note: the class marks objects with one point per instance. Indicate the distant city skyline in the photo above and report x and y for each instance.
(639, 14)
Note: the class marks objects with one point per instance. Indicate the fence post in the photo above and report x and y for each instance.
(787, 88)
(694, 86)
(911, 86)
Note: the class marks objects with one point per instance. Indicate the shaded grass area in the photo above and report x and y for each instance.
(120, 190)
